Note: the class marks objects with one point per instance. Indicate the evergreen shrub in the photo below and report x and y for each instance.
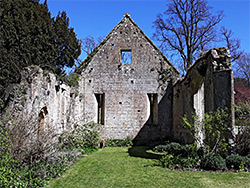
(189, 150)
(118, 142)
(237, 162)
(176, 162)
(213, 161)
(171, 148)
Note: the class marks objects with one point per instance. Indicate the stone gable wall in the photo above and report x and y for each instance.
(126, 86)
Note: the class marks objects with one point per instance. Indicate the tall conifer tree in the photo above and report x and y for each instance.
(29, 36)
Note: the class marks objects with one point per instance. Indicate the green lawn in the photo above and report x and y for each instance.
(133, 167)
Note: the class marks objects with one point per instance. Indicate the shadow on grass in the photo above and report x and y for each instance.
(141, 151)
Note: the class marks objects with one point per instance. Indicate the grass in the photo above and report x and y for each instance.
(133, 167)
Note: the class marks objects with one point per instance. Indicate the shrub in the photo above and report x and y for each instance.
(8, 177)
(171, 161)
(28, 172)
(246, 162)
(217, 130)
(189, 150)
(178, 156)
(118, 142)
(167, 161)
(187, 162)
(82, 136)
(28, 155)
(212, 161)
(215, 126)
(242, 121)
(50, 167)
(35, 174)
(237, 162)
(28, 141)
(160, 149)
(234, 161)
(171, 148)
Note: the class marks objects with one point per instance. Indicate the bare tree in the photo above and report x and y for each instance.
(233, 44)
(186, 27)
(99, 39)
(242, 69)
(89, 43)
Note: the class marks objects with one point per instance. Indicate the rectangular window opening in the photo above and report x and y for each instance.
(153, 100)
(100, 98)
(126, 57)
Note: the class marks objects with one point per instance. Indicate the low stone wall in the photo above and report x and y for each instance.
(41, 98)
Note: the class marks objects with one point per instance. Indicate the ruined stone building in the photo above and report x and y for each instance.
(131, 89)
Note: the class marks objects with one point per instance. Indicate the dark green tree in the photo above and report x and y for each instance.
(30, 36)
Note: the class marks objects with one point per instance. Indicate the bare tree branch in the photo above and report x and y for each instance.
(233, 44)
(186, 26)
(89, 43)
(243, 67)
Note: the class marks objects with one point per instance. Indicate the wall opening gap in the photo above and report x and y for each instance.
(100, 98)
(153, 100)
(199, 109)
(126, 57)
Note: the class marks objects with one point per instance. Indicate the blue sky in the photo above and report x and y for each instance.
(98, 17)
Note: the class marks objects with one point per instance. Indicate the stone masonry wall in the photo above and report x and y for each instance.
(135, 99)
(41, 97)
(207, 86)
(126, 86)
(140, 100)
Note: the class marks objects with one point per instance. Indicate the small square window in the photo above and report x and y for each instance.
(126, 57)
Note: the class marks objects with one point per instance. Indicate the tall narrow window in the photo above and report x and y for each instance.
(126, 57)
(100, 98)
(153, 100)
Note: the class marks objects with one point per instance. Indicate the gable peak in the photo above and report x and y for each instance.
(126, 15)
